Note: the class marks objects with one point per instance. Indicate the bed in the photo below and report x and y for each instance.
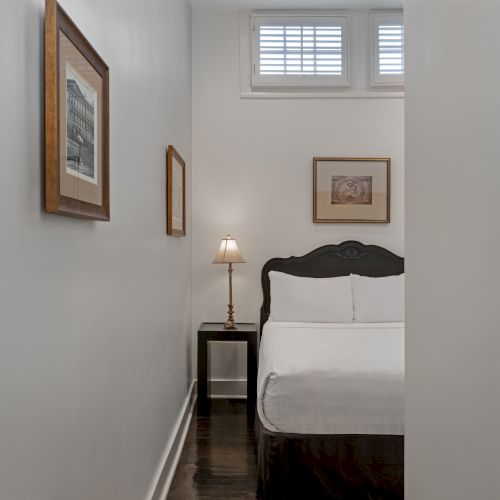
(330, 406)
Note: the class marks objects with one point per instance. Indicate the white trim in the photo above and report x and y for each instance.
(360, 63)
(324, 95)
(168, 463)
(245, 51)
(228, 396)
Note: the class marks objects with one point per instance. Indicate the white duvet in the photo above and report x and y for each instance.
(329, 378)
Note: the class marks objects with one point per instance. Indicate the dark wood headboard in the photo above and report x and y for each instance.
(330, 261)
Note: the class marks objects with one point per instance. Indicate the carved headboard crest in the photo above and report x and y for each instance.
(350, 257)
(350, 252)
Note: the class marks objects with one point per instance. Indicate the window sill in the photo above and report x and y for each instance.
(324, 95)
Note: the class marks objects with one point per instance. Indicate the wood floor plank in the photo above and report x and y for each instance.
(218, 459)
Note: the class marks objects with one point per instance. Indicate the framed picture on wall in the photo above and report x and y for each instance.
(351, 190)
(176, 193)
(76, 121)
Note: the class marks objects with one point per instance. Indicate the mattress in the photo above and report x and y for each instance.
(329, 378)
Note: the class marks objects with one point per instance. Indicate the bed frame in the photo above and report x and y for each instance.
(340, 467)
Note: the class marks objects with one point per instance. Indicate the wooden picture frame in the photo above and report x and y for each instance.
(351, 190)
(76, 121)
(176, 193)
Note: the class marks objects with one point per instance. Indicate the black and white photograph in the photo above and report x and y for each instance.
(81, 125)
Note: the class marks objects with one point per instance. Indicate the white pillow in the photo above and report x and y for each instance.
(315, 300)
(378, 300)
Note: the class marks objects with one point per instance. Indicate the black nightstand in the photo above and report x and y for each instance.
(210, 332)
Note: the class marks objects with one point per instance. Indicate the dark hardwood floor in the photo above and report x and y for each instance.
(218, 459)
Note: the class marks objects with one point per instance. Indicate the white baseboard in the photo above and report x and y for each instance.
(170, 457)
(228, 388)
(219, 389)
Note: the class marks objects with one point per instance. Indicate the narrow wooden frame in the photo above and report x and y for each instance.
(317, 219)
(171, 155)
(56, 21)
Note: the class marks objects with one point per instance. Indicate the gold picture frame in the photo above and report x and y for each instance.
(76, 121)
(176, 193)
(351, 190)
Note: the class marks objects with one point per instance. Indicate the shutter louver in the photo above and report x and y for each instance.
(300, 50)
(390, 50)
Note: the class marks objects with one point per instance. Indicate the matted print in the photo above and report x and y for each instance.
(76, 121)
(351, 189)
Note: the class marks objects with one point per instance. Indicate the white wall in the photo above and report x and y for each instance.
(252, 175)
(452, 244)
(95, 318)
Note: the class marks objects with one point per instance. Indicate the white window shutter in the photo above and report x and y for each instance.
(300, 51)
(388, 49)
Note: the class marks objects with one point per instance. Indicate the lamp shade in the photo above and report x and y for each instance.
(228, 252)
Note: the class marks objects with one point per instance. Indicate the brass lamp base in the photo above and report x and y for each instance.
(230, 324)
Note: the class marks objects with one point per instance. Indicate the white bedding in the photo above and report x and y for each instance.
(329, 378)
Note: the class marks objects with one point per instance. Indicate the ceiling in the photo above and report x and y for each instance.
(297, 4)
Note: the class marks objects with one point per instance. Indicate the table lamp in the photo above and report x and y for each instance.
(228, 253)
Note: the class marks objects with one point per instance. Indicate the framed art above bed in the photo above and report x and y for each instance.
(351, 190)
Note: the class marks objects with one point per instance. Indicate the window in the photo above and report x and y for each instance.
(295, 51)
(388, 49)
